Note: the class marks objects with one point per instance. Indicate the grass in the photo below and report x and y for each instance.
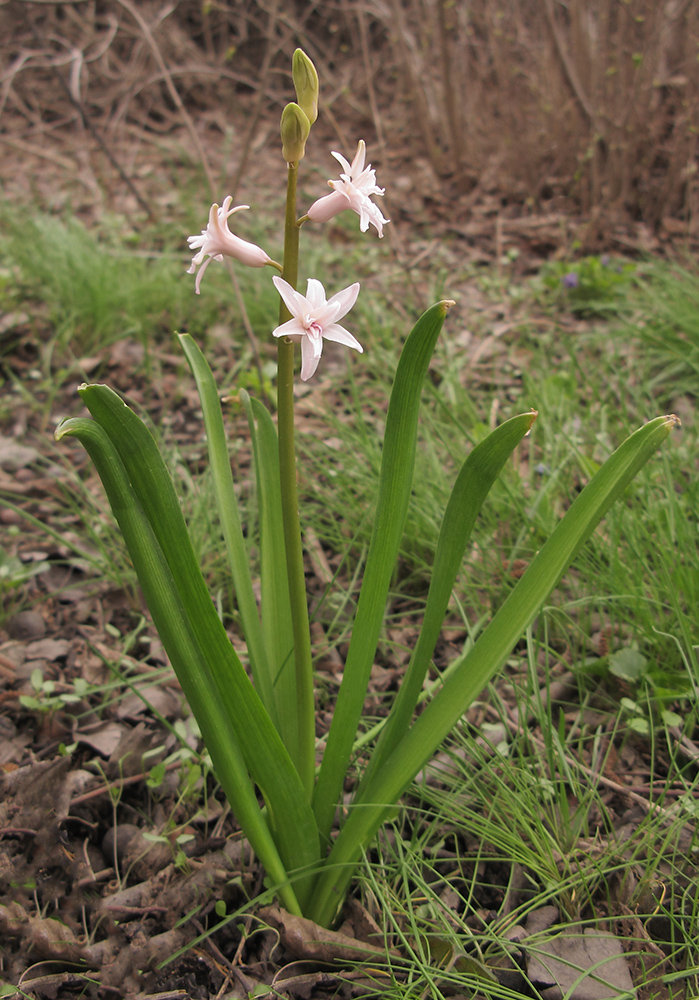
(623, 621)
(499, 832)
(666, 322)
(591, 388)
(96, 286)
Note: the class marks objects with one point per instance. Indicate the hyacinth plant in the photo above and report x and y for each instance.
(259, 723)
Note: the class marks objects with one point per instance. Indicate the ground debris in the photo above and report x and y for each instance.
(35, 795)
(304, 939)
(579, 966)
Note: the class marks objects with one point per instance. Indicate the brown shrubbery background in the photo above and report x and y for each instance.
(589, 107)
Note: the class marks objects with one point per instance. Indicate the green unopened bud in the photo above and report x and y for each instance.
(306, 84)
(295, 127)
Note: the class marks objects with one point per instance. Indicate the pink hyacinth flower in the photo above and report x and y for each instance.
(315, 319)
(354, 190)
(217, 241)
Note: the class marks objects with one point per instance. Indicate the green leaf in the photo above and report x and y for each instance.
(291, 818)
(395, 484)
(156, 776)
(671, 718)
(227, 506)
(175, 630)
(476, 477)
(33, 704)
(486, 657)
(628, 664)
(639, 725)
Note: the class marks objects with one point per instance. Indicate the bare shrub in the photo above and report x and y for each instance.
(594, 100)
(590, 106)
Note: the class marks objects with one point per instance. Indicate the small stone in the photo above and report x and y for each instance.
(26, 625)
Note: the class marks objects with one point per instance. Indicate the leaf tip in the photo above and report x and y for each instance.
(672, 421)
(446, 305)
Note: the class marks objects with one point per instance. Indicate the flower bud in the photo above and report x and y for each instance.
(305, 80)
(295, 127)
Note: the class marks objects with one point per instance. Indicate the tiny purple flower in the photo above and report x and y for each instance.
(570, 280)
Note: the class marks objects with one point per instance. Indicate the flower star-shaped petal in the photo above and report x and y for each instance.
(314, 318)
(354, 189)
(217, 240)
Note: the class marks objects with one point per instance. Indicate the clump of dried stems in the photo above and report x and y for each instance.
(593, 100)
(590, 106)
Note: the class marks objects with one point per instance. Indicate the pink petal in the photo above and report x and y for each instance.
(213, 219)
(315, 293)
(345, 299)
(292, 328)
(200, 275)
(339, 335)
(227, 211)
(294, 301)
(325, 314)
(358, 161)
(309, 358)
(346, 168)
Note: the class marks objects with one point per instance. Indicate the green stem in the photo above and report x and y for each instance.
(305, 762)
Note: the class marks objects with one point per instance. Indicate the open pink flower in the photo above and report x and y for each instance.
(354, 189)
(315, 319)
(217, 240)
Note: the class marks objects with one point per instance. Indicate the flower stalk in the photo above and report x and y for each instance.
(305, 751)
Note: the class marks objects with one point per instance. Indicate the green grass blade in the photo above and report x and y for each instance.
(277, 629)
(395, 484)
(174, 627)
(291, 818)
(487, 656)
(227, 506)
(476, 477)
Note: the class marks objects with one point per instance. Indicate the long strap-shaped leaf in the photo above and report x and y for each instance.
(174, 627)
(487, 656)
(476, 477)
(227, 506)
(395, 484)
(291, 818)
(277, 630)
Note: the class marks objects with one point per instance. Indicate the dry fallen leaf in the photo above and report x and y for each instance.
(304, 939)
